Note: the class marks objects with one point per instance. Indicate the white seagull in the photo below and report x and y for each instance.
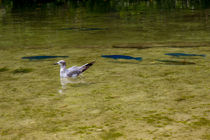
(72, 71)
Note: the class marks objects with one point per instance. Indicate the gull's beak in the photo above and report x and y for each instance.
(55, 64)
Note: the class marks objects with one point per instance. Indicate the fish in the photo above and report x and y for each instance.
(83, 29)
(130, 47)
(122, 57)
(184, 54)
(41, 57)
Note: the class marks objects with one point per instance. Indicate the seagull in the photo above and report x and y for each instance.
(74, 71)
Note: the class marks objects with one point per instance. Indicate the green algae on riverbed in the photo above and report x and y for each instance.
(117, 100)
(22, 70)
(3, 69)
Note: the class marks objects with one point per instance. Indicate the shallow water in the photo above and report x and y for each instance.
(114, 98)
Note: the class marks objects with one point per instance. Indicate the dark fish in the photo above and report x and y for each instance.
(130, 47)
(173, 62)
(122, 57)
(83, 29)
(41, 57)
(184, 54)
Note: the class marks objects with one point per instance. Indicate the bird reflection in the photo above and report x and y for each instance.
(66, 81)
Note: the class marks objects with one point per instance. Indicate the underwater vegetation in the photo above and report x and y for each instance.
(111, 5)
(4, 69)
(184, 54)
(112, 134)
(22, 70)
(122, 57)
(42, 57)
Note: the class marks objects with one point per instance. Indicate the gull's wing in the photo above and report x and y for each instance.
(75, 71)
(73, 68)
(86, 66)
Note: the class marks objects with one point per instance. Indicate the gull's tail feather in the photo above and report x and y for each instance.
(86, 66)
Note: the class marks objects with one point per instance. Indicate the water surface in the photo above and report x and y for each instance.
(114, 98)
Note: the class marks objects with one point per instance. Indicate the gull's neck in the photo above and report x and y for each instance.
(63, 67)
(63, 71)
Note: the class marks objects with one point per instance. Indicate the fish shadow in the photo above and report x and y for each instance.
(174, 62)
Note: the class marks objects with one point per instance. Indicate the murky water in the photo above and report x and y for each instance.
(113, 96)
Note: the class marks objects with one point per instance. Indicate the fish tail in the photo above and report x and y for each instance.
(138, 58)
(203, 55)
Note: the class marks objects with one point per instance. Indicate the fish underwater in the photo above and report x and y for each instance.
(41, 57)
(83, 29)
(122, 57)
(184, 54)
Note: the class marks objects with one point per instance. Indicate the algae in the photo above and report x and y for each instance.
(22, 70)
(4, 69)
(114, 100)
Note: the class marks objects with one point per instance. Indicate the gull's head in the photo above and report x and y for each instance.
(61, 63)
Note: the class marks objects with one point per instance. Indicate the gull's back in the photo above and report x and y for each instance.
(73, 71)
(76, 71)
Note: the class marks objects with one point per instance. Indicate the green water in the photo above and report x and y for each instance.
(114, 99)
